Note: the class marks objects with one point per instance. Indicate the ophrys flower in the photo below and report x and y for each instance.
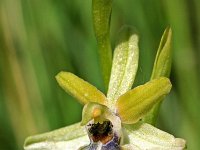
(112, 122)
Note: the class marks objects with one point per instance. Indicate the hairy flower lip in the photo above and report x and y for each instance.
(103, 132)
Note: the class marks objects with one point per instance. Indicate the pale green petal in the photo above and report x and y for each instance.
(101, 11)
(80, 89)
(146, 137)
(125, 64)
(162, 67)
(136, 103)
(67, 138)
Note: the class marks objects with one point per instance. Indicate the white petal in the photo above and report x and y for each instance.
(74, 144)
(146, 136)
(69, 138)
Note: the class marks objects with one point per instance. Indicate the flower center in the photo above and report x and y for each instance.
(101, 132)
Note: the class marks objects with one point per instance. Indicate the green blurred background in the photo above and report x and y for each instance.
(39, 38)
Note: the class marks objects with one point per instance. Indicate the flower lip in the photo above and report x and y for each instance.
(102, 125)
(101, 132)
(102, 136)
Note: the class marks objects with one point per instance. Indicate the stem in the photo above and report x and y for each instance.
(101, 10)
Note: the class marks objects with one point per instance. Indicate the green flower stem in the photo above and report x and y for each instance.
(101, 10)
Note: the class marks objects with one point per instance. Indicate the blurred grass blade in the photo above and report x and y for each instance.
(70, 138)
(136, 103)
(80, 89)
(144, 136)
(125, 64)
(162, 68)
(101, 10)
(162, 64)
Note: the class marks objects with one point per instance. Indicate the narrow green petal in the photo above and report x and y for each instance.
(145, 136)
(101, 10)
(162, 64)
(136, 103)
(67, 138)
(80, 89)
(162, 67)
(125, 64)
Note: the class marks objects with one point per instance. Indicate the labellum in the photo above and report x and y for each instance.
(103, 128)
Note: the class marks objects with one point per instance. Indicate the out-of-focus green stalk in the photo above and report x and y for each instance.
(17, 103)
(101, 10)
(187, 75)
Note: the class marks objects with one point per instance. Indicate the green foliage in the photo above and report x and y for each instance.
(40, 38)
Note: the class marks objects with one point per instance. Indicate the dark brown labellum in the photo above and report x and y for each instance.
(102, 137)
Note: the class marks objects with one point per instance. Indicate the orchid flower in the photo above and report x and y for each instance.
(115, 121)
